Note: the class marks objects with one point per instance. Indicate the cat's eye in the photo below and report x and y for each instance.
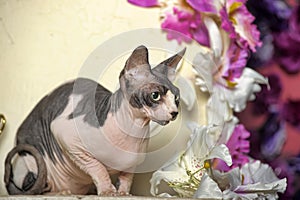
(155, 96)
(176, 98)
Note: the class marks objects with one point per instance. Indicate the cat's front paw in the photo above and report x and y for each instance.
(124, 194)
(108, 191)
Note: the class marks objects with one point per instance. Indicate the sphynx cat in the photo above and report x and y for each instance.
(80, 134)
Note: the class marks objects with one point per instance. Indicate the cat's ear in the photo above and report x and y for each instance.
(168, 66)
(137, 64)
(138, 58)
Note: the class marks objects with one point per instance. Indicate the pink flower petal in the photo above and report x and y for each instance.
(144, 3)
(235, 62)
(238, 22)
(178, 22)
(226, 24)
(203, 5)
(187, 23)
(249, 35)
(239, 146)
(200, 34)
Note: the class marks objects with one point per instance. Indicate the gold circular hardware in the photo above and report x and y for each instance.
(2, 123)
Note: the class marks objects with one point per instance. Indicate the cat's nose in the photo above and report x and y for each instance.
(174, 115)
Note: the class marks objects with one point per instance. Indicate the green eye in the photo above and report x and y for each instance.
(155, 96)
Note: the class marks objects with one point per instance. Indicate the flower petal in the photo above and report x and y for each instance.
(215, 38)
(253, 180)
(178, 171)
(203, 146)
(144, 3)
(227, 130)
(188, 93)
(234, 62)
(221, 152)
(203, 64)
(246, 30)
(228, 180)
(203, 5)
(261, 179)
(218, 110)
(171, 173)
(179, 23)
(272, 147)
(208, 189)
(247, 85)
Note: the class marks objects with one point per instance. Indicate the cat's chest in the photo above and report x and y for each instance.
(115, 148)
(128, 144)
(127, 136)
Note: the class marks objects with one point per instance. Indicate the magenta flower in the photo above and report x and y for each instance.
(200, 34)
(186, 19)
(235, 62)
(144, 3)
(203, 5)
(179, 21)
(294, 24)
(287, 169)
(239, 146)
(226, 24)
(187, 23)
(238, 22)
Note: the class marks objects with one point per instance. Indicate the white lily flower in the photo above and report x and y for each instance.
(184, 173)
(253, 180)
(225, 95)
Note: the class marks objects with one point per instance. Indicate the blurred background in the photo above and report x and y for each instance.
(274, 117)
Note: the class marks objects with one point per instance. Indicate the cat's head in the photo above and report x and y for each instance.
(151, 91)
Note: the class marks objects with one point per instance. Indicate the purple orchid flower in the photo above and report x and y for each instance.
(239, 146)
(187, 23)
(291, 114)
(287, 168)
(235, 62)
(203, 5)
(287, 44)
(267, 142)
(144, 3)
(235, 20)
(238, 22)
(179, 21)
(271, 16)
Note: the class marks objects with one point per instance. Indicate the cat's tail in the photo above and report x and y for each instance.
(34, 184)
